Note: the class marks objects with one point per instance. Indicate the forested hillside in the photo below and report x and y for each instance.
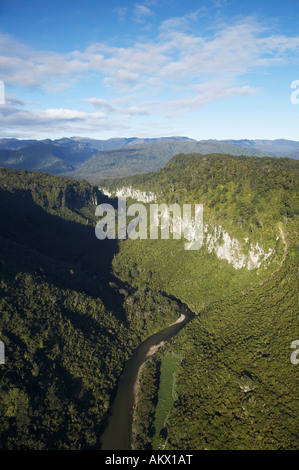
(66, 328)
(74, 308)
(236, 387)
(149, 156)
(91, 159)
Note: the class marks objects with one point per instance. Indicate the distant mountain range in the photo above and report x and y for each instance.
(91, 159)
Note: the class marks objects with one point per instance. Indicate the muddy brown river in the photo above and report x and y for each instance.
(117, 435)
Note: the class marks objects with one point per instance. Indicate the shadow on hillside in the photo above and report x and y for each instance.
(62, 252)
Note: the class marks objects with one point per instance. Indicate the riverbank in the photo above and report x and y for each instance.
(152, 350)
(117, 435)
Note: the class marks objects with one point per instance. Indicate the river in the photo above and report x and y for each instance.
(117, 435)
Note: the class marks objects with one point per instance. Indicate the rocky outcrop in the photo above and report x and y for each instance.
(241, 254)
(140, 196)
(232, 250)
(76, 197)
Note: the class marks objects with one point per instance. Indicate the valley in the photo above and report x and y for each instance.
(149, 216)
(75, 311)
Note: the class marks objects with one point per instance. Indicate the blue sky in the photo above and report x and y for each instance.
(212, 69)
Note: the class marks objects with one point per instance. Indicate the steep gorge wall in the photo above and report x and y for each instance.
(241, 254)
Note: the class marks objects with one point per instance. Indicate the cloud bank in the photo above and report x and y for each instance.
(177, 72)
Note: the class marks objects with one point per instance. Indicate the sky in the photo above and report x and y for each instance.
(211, 69)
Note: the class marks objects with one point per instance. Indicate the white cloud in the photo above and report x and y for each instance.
(121, 13)
(109, 108)
(207, 93)
(175, 56)
(42, 122)
(180, 69)
(219, 3)
(11, 100)
(141, 13)
(101, 104)
(182, 23)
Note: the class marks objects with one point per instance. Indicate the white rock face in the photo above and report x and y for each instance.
(173, 219)
(140, 196)
(230, 249)
(104, 191)
(214, 238)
